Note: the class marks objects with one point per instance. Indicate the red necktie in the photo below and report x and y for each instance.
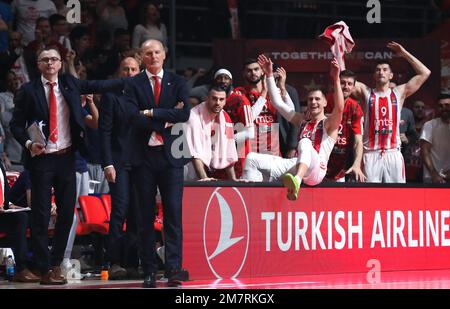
(156, 89)
(2, 184)
(53, 113)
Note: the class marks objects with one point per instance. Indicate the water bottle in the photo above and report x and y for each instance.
(10, 268)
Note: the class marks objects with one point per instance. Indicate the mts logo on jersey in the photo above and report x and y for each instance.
(226, 232)
(342, 138)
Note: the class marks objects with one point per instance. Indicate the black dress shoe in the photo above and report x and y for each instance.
(116, 272)
(149, 281)
(176, 276)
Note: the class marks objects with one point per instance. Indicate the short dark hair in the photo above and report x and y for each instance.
(47, 48)
(78, 32)
(55, 18)
(249, 61)
(41, 19)
(383, 61)
(347, 73)
(444, 96)
(317, 89)
(217, 88)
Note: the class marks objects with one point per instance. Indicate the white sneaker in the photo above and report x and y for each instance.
(160, 251)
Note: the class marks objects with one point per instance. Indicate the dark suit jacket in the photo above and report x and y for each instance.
(31, 106)
(115, 129)
(139, 93)
(5, 188)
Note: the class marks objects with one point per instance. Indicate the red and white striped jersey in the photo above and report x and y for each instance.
(321, 141)
(314, 130)
(382, 120)
(266, 132)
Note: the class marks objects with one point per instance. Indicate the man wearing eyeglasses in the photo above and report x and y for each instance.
(53, 102)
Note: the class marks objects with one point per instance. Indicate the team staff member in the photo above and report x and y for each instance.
(53, 101)
(156, 94)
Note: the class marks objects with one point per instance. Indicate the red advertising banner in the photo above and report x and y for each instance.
(255, 231)
(307, 61)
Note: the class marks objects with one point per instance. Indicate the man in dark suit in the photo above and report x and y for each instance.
(115, 134)
(15, 225)
(157, 95)
(54, 102)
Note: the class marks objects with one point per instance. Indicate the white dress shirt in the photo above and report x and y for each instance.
(63, 116)
(154, 140)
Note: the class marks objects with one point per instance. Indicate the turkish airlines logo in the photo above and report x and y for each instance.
(226, 232)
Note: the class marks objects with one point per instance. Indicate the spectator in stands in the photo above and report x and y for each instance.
(26, 12)
(115, 131)
(189, 73)
(82, 45)
(6, 18)
(222, 78)
(412, 153)
(421, 115)
(111, 17)
(15, 43)
(61, 7)
(408, 134)
(89, 20)
(192, 75)
(60, 30)
(15, 226)
(13, 149)
(210, 136)
(346, 156)
(81, 70)
(409, 138)
(53, 164)
(150, 27)
(435, 145)
(16, 60)
(121, 45)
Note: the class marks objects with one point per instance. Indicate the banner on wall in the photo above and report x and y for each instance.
(233, 232)
(307, 61)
